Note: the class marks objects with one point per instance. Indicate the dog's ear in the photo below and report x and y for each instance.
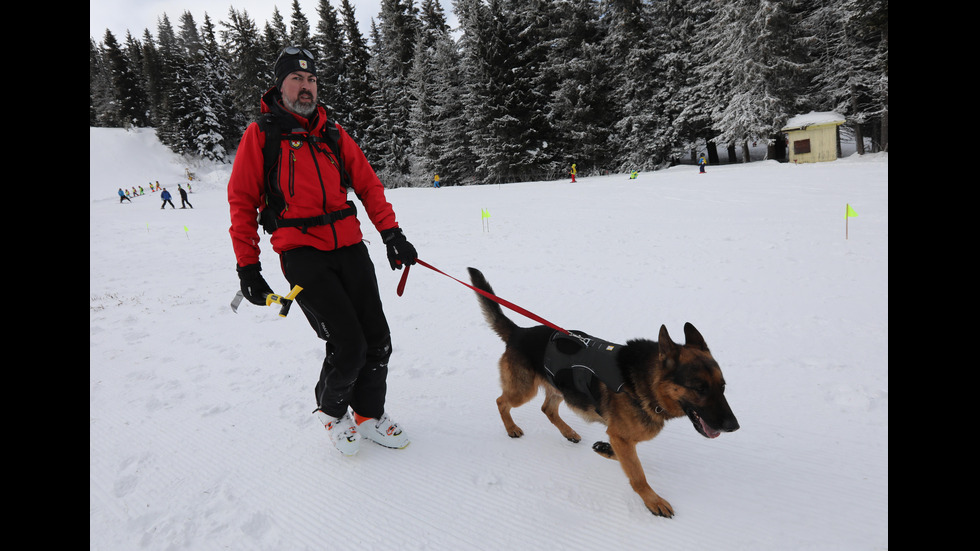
(693, 338)
(667, 347)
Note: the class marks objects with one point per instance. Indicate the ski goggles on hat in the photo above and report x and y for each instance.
(293, 50)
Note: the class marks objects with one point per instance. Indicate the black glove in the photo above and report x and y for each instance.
(254, 286)
(400, 251)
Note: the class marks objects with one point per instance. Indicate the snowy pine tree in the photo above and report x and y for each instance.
(250, 68)
(750, 50)
(426, 115)
(100, 90)
(328, 46)
(356, 82)
(275, 36)
(174, 104)
(299, 28)
(127, 107)
(215, 120)
(391, 62)
(577, 79)
(521, 89)
(629, 47)
(152, 73)
(455, 159)
(849, 65)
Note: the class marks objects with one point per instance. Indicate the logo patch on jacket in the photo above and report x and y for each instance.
(295, 144)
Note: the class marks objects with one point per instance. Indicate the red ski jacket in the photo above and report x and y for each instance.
(311, 185)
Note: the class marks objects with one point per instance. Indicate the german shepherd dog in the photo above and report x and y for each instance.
(657, 381)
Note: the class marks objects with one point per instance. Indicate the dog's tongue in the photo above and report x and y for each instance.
(712, 433)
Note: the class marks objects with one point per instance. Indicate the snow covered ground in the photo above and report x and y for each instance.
(201, 429)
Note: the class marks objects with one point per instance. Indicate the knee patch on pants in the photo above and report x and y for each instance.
(380, 354)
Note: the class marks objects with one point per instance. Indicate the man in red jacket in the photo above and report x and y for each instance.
(316, 232)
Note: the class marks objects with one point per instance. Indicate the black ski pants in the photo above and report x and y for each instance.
(341, 301)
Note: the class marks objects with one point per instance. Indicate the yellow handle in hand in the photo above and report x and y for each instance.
(278, 299)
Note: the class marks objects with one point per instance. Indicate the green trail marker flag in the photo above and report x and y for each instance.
(847, 215)
(485, 215)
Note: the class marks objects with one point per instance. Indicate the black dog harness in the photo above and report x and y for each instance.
(575, 361)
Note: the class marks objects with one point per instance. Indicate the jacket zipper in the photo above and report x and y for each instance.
(323, 191)
(292, 175)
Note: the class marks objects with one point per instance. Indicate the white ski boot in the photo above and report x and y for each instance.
(342, 432)
(382, 431)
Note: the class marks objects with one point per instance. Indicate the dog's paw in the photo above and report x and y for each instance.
(576, 439)
(515, 432)
(660, 507)
(604, 449)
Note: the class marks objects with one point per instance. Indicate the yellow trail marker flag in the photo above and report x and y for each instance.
(847, 216)
(484, 215)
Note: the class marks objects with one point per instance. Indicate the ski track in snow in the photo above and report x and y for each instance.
(201, 427)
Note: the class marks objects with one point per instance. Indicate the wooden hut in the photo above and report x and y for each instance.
(812, 138)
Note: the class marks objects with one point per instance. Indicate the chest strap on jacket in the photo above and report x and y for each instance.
(272, 223)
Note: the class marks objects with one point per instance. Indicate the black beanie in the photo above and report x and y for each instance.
(293, 59)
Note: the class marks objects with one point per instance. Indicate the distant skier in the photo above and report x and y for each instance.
(702, 162)
(166, 199)
(122, 195)
(573, 173)
(183, 197)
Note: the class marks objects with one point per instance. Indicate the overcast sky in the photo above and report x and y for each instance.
(135, 15)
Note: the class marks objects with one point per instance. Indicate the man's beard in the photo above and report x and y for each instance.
(302, 108)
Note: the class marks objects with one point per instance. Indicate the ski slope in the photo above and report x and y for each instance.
(201, 432)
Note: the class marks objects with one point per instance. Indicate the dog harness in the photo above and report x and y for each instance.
(577, 361)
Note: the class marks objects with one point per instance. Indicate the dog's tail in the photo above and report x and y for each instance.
(494, 315)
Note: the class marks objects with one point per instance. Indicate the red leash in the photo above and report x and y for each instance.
(498, 300)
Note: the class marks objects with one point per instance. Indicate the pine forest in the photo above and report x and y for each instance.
(521, 89)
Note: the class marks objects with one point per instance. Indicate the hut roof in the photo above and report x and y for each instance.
(814, 117)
